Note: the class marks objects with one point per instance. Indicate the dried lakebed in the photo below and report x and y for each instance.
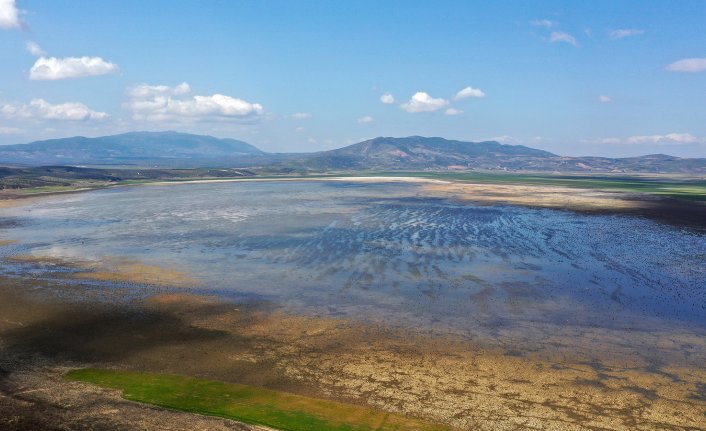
(397, 296)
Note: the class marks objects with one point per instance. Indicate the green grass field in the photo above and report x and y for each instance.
(258, 406)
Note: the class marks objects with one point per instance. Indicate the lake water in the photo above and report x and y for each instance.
(384, 252)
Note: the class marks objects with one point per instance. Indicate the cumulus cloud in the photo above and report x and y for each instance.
(41, 109)
(560, 36)
(366, 119)
(453, 111)
(9, 14)
(52, 68)
(34, 49)
(688, 65)
(469, 92)
(543, 23)
(387, 99)
(301, 116)
(667, 139)
(164, 103)
(604, 98)
(423, 102)
(625, 32)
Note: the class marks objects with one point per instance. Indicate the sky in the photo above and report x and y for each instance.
(576, 78)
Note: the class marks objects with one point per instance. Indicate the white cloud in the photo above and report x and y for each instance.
(688, 65)
(9, 14)
(301, 116)
(52, 68)
(164, 103)
(667, 139)
(34, 49)
(604, 98)
(625, 32)
(387, 99)
(469, 92)
(560, 36)
(10, 130)
(300, 129)
(670, 138)
(543, 23)
(41, 109)
(366, 119)
(453, 111)
(144, 91)
(423, 102)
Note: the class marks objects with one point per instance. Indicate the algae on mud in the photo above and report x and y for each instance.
(249, 404)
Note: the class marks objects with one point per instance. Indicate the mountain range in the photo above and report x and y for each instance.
(134, 148)
(173, 149)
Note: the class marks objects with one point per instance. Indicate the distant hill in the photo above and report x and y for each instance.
(182, 150)
(417, 152)
(163, 148)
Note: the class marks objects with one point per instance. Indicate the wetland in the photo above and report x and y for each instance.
(473, 306)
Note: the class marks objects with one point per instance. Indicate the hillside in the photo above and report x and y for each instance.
(182, 150)
(163, 148)
(416, 152)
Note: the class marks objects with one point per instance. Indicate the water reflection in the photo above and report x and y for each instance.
(387, 251)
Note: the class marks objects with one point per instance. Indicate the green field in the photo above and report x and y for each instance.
(248, 404)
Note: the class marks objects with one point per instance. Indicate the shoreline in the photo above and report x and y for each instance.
(51, 328)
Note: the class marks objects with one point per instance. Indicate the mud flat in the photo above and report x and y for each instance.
(665, 209)
(514, 371)
(116, 270)
(48, 328)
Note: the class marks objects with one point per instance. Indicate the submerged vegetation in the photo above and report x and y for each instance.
(248, 404)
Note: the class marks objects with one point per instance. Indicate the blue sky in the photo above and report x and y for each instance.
(576, 78)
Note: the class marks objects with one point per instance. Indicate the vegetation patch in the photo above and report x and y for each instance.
(248, 404)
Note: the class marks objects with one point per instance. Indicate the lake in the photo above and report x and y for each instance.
(385, 252)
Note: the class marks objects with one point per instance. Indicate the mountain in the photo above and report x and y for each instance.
(161, 148)
(182, 150)
(417, 152)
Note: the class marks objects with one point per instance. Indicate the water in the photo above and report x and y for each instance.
(385, 252)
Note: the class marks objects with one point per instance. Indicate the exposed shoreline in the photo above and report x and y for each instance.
(49, 327)
(579, 378)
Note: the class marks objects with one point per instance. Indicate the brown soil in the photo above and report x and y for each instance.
(117, 270)
(46, 328)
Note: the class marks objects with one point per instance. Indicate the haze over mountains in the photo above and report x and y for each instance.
(173, 149)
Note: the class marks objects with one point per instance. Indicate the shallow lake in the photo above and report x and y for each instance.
(384, 251)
